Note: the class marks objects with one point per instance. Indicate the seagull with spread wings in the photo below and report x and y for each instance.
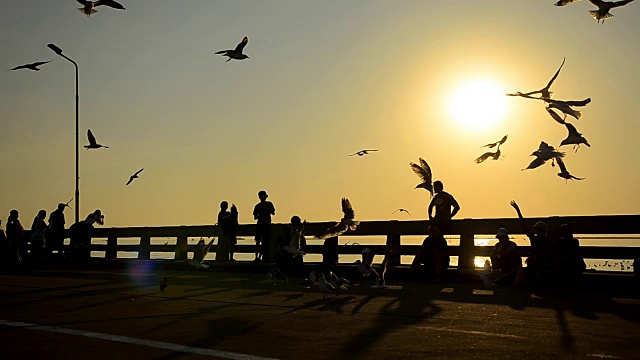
(363, 152)
(88, 7)
(564, 173)
(495, 155)
(602, 13)
(134, 176)
(566, 106)
(545, 93)
(402, 210)
(423, 170)
(92, 142)
(348, 222)
(237, 52)
(574, 138)
(544, 153)
(32, 66)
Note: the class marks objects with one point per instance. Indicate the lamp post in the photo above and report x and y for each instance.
(58, 51)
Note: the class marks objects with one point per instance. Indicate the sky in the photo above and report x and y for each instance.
(324, 80)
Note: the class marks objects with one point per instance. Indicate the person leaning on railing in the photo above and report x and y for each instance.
(80, 235)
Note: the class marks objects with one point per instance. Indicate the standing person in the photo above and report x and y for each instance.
(55, 233)
(15, 232)
(223, 239)
(540, 261)
(233, 231)
(445, 205)
(262, 212)
(80, 234)
(38, 228)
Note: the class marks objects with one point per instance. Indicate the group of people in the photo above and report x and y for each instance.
(47, 237)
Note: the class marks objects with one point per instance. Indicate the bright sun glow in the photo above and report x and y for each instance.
(478, 105)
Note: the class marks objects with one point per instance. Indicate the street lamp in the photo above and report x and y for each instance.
(58, 51)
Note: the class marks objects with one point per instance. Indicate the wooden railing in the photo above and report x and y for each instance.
(466, 251)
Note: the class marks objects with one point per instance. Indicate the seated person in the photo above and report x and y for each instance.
(433, 257)
(505, 261)
(539, 263)
(568, 258)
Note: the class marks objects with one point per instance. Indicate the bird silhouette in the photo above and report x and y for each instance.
(92, 142)
(164, 284)
(495, 155)
(544, 153)
(545, 93)
(602, 13)
(423, 170)
(339, 283)
(348, 222)
(88, 7)
(310, 281)
(325, 287)
(574, 138)
(497, 143)
(32, 66)
(402, 210)
(134, 176)
(363, 152)
(237, 52)
(564, 173)
(565, 2)
(566, 106)
(556, 117)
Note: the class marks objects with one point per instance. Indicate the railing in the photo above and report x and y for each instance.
(466, 251)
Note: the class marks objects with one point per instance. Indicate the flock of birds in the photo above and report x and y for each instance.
(543, 154)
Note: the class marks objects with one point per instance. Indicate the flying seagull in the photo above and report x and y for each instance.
(363, 152)
(495, 155)
(237, 52)
(564, 173)
(555, 116)
(134, 176)
(423, 170)
(498, 143)
(32, 66)
(602, 13)
(574, 138)
(544, 153)
(402, 210)
(566, 106)
(92, 142)
(348, 222)
(88, 7)
(545, 93)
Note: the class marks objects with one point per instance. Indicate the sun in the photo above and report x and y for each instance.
(478, 105)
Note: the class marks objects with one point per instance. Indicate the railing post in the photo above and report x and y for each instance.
(467, 250)
(143, 251)
(181, 248)
(393, 249)
(112, 248)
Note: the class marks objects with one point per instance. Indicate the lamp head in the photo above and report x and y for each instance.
(55, 49)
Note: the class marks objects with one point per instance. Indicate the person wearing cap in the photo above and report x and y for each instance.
(446, 207)
(505, 260)
(540, 261)
(55, 232)
(262, 212)
(433, 257)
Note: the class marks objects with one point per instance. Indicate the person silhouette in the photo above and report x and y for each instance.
(55, 232)
(80, 234)
(15, 233)
(446, 207)
(37, 237)
(262, 212)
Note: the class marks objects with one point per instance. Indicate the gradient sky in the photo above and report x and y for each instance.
(325, 79)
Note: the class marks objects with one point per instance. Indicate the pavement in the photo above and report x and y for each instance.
(120, 313)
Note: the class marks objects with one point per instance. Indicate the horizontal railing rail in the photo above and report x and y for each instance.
(393, 231)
